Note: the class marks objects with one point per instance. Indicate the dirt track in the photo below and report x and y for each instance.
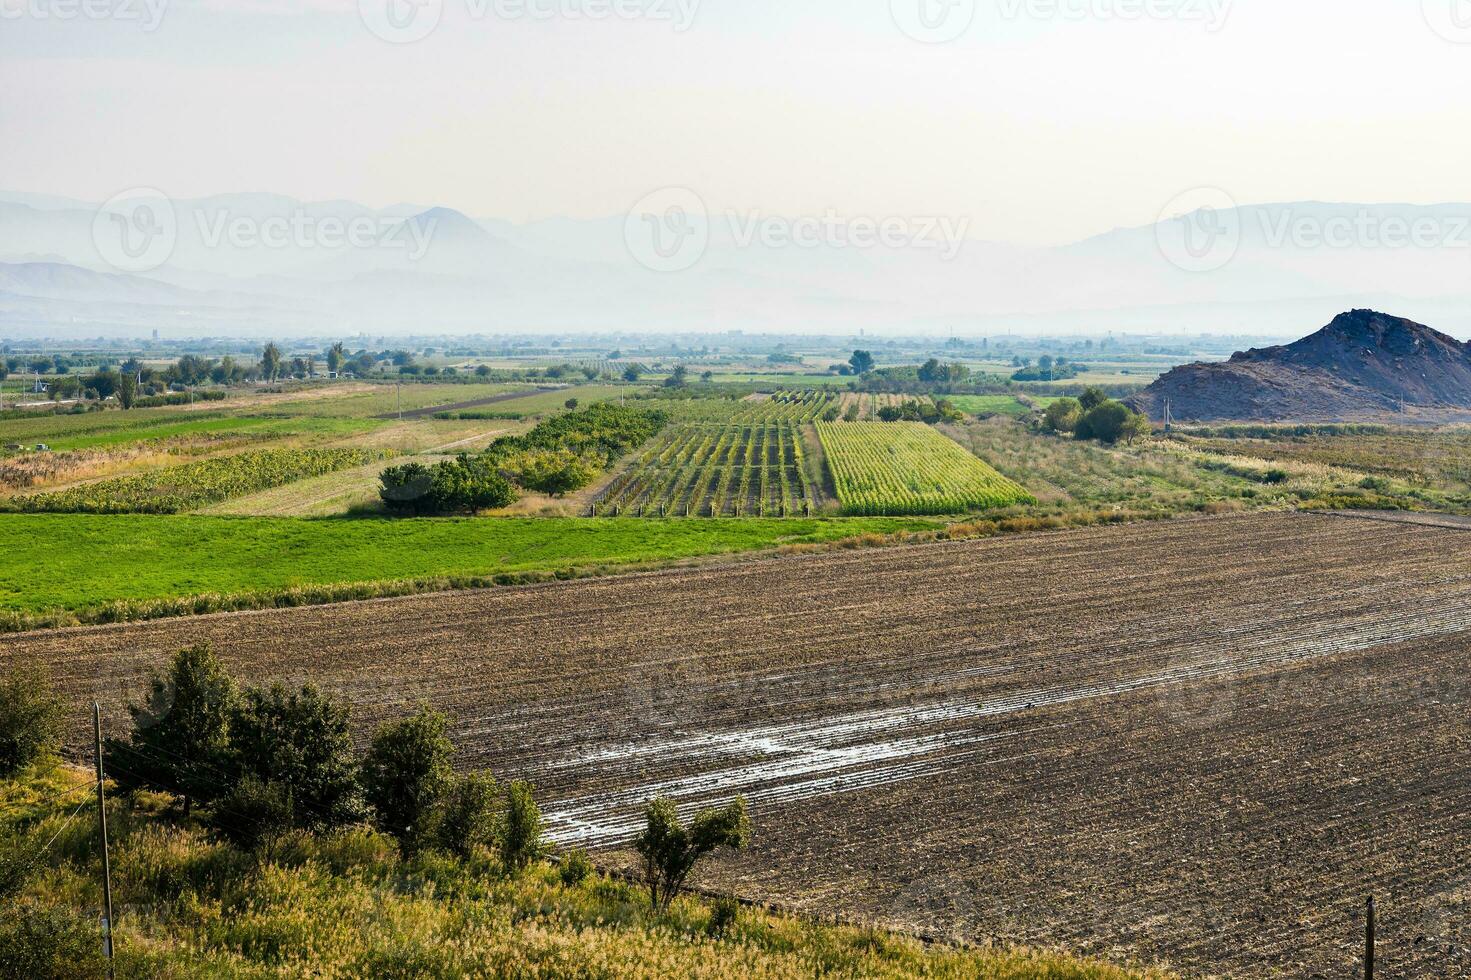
(1203, 742)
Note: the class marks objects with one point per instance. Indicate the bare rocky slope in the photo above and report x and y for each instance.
(1364, 366)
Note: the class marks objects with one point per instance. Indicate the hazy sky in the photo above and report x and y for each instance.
(1043, 121)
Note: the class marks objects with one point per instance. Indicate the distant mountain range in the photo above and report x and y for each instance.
(259, 264)
(1364, 366)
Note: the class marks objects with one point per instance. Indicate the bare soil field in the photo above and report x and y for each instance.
(1201, 742)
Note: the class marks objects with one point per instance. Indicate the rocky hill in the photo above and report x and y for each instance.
(1364, 366)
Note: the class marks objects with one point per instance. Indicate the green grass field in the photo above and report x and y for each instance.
(91, 560)
(987, 404)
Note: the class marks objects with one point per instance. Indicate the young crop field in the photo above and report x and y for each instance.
(909, 468)
(756, 470)
(988, 404)
(176, 489)
(92, 561)
(1199, 742)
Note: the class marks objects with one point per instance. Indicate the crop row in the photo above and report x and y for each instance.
(183, 488)
(713, 471)
(909, 468)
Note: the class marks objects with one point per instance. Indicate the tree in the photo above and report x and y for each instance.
(632, 373)
(861, 362)
(468, 814)
(252, 813)
(679, 378)
(336, 358)
(520, 828)
(1137, 426)
(301, 741)
(405, 774)
(890, 413)
(456, 486)
(179, 741)
(1091, 399)
(1105, 422)
(707, 376)
(570, 404)
(31, 715)
(127, 389)
(270, 362)
(670, 851)
(1062, 415)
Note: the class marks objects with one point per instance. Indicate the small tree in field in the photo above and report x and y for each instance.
(467, 816)
(521, 828)
(405, 775)
(571, 404)
(670, 851)
(30, 719)
(180, 733)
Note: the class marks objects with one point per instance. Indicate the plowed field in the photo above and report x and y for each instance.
(1200, 741)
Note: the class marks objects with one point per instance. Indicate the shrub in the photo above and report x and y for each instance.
(1062, 415)
(670, 851)
(30, 718)
(725, 912)
(254, 813)
(406, 773)
(41, 942)
(1106, 422)
(576, 868)
(467, 816)
(554, 473)
(520, 828)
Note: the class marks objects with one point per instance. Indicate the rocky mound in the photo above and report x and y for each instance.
(1363, 366)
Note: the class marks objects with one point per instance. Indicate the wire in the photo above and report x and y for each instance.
(47, 846)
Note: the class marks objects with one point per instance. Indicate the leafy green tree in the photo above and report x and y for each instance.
(1105, 422)
(576, 868)
(570, 404)
(180, 733)
(270, 362)
(300, 740)
(891, 413)
(468, 814)
(1062, 415)
(520, 832)
(406, 773)
(632, 373)
(862, 361)
(336, 358)
(1137, 426)
(457, 486)
(31, 716)
(1091, 399)
(127, 390)
(670, 850)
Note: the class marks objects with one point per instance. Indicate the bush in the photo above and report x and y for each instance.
(405, 775)
(576, 868)
(1106, 422)
(41, 942)
(670, 851)
(520, 829)
(725, 912)
(1062, 415)
(467, 817)
(254, 813)
(30, 718)
(553, 473)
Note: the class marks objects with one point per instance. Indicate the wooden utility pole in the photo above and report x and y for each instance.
(102, 829)
(1369, 943)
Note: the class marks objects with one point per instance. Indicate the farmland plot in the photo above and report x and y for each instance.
(1202, 741)
(713, 471)
(909, 468)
